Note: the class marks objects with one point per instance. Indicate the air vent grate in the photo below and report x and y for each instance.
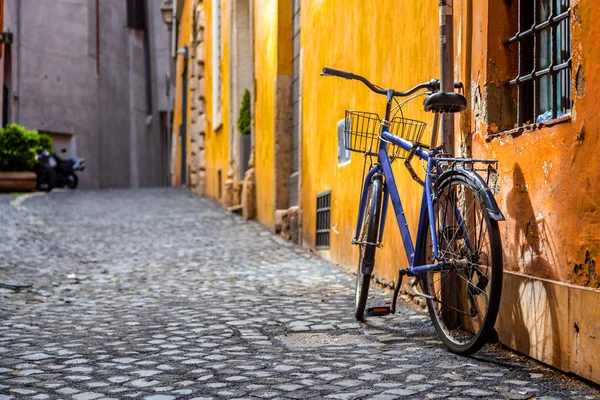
(323, 220)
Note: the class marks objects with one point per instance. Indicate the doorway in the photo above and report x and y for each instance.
(240, 81)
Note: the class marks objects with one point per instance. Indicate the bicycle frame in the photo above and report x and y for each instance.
(383, 166)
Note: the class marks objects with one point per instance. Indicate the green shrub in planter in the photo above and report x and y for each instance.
(18, 147)
(45, 142)
(244, 121)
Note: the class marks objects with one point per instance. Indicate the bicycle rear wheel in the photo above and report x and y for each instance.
(368, 239)
(467, 291)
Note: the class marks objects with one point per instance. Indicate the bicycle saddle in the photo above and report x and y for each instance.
(445, 102)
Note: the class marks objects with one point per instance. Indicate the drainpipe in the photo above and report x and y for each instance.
(169, 172)
(183, 127)
(447, 68)
(16, 115)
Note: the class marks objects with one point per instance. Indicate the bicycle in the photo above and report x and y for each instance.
(457, 257)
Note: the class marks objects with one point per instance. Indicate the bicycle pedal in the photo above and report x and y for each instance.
(378, 311)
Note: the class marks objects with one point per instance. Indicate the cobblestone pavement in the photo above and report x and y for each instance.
(158, 294)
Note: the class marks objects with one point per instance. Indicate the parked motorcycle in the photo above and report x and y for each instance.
(53, 171)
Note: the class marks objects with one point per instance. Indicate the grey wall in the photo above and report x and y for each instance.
(59, 88)
(160, 36)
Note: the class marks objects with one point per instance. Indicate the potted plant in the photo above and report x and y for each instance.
(245, 118)
(18, 148)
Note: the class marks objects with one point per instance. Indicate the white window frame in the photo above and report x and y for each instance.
(217, 56)
(343, 152)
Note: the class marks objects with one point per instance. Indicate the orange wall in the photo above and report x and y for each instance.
(265, 65)
(549, 176)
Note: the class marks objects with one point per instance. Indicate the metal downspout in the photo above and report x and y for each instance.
(447, 68)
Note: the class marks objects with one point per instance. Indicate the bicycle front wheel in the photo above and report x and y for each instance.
(368, 239)
(467, 289)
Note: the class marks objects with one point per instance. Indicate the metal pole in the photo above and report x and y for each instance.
(447, 68)
(449, 297)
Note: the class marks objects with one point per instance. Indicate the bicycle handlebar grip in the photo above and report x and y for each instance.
(336, 72)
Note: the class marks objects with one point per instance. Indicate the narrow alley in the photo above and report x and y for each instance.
(160, 294)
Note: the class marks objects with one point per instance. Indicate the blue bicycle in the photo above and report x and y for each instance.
(457, 257)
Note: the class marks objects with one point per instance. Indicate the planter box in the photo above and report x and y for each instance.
(17, 181)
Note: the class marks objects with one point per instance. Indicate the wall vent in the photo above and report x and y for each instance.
(323, 220)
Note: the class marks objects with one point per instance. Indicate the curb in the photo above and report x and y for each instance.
(18, 201)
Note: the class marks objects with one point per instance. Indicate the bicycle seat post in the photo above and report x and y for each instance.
(435, 130)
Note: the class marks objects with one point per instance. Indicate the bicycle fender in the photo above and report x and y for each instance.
(484, 191)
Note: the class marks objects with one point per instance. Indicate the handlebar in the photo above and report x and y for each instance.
(433, 85)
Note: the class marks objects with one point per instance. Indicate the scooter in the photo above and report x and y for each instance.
(53, 171)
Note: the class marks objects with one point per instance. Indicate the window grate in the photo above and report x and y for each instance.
(323, 220)
(544, 47)
(136, 14)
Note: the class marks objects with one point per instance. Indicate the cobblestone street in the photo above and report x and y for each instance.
(159, 294)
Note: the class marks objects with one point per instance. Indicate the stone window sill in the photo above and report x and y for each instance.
(516, 132)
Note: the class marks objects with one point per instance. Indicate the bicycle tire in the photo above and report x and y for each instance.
(72, 181)
(370, 228)
(472, 273)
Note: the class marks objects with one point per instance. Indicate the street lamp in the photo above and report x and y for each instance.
(166, 9)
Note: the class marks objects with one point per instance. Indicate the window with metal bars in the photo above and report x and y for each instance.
(544, 69)
(323, 220)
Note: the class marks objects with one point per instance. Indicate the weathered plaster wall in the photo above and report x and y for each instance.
(58, 88)
(547, 188)
(53, 89)
(548, 175)
(197, 120)
(161, 56)
(217, 140)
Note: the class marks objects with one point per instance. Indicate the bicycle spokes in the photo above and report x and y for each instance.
(462, 289)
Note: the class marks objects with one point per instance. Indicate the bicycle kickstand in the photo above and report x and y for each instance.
(385, 310)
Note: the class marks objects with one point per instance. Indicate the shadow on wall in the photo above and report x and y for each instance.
(532, 247)
(533, 324)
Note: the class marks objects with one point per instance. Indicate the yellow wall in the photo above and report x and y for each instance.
(398, 47)
(381, 44)
(265, 66)
(548, 176)
(183, 39)
(217, 141)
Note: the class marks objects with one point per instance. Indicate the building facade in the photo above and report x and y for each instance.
(530, 106)
(214, 76)
(89, 74)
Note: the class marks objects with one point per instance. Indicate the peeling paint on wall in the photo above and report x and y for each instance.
(585, 273)
(580, 82)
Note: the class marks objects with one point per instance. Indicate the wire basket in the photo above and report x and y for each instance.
(361, 133)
